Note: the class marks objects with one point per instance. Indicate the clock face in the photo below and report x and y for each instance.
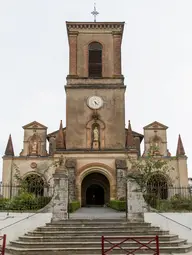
(95, 102)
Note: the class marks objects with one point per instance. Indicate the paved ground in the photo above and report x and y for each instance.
(96, 213)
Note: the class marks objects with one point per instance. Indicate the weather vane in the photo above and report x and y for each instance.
(95, 12)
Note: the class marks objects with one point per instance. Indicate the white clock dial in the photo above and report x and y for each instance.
(95, 102)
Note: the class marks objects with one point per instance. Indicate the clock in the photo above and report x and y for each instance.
(95, 102)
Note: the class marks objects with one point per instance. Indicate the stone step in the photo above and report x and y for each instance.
(86, 244)
(101, 228)
(95, 219)
(113, 232)
(82, 238)
(95, 224)
(96, 251)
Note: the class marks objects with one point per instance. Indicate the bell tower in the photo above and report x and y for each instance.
(95, 105)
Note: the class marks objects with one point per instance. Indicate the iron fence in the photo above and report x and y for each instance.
(25, 197)
(33, 196)
(166, 192)
(168, 198)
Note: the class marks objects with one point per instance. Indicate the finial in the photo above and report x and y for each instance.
(95, 12)
(180, 148)
(130, 141)
(9, 149)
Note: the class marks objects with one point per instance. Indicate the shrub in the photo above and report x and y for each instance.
(3, 203)
(24, 202)
(73, 206)
(176, 203)
(118, 205)
(42, 201)
(181, 203)
(164, 206)
(151, 199)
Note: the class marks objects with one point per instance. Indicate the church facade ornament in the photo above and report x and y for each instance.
(33, 165)
(34, 145)
(95, 134)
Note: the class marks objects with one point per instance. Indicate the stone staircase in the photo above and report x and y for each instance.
(84, 237)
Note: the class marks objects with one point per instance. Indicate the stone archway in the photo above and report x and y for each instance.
(95, 190)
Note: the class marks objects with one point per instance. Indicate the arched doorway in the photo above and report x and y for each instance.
(95, 190)
(95, 195)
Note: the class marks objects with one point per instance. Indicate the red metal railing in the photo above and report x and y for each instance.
(2, 246)
(122, 240)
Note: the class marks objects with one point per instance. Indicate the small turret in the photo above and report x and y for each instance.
(60, 139)
(9, 149)
(180, 148)
(130, 142)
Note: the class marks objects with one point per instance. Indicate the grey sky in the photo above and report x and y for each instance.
(156, 55)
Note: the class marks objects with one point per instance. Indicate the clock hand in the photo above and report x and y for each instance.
(95, 102)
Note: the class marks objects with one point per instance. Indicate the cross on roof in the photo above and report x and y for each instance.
(95, 12)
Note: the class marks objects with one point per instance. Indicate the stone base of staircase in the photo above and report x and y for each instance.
(84, 237)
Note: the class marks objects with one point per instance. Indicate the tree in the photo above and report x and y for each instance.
(142, 169)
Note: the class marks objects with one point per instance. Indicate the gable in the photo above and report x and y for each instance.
(34, 125)
(155, 125)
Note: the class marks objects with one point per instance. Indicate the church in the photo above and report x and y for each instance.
(95, 144)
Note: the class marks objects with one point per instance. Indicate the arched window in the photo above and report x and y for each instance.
(157, 186)
(35, 184)
(95, 60)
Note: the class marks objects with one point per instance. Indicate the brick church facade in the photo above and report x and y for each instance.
(95, 143)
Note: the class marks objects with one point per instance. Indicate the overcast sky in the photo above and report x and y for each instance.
(156, 55)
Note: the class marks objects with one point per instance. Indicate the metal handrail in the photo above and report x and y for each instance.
(174, 221)
(153, 210)
(14, 223)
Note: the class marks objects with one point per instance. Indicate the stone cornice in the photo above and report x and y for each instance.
(77, 26)
(95, 86)
(100, 81)
(88, 151)
(26, 157)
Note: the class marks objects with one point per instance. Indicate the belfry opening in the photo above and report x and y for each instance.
(95, 190)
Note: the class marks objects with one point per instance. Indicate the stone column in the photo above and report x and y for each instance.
(73, 53)
(60, 197)
(136, 205)
(71, 167)
(121, 170)
(117, 53)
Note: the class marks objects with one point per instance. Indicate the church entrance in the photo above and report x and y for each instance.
(95, 190)
(95, 195)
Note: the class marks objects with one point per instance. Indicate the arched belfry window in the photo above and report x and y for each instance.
(95, 60)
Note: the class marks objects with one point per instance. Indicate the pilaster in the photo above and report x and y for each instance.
(121, 169)
(60, 198)
(71, 167)
(73, 54)
(117, 38)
